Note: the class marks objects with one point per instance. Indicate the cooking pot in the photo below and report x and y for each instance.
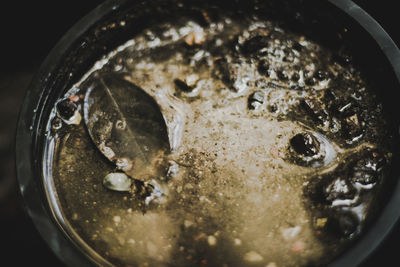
(115, 22)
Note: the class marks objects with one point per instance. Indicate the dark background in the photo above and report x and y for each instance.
(28, 31)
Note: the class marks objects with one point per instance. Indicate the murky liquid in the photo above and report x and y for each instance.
(274, 157)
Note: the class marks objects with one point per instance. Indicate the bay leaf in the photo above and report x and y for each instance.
(126, 125)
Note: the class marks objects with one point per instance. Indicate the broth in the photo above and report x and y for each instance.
(274, 152)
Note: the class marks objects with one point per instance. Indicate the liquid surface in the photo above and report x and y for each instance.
(271, 155)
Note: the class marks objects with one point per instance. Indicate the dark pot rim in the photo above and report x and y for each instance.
(27, 128)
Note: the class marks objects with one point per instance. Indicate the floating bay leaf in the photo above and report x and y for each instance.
(126, 125)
